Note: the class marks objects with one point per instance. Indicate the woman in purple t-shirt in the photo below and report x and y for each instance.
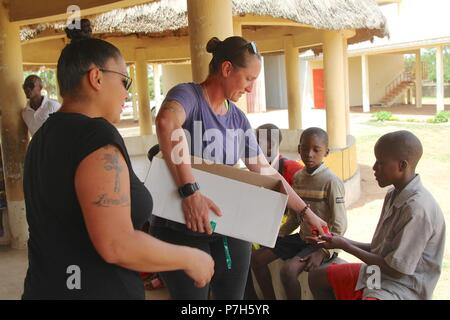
(204, 115)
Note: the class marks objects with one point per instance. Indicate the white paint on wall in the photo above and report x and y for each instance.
(306, 85)
(275, 81)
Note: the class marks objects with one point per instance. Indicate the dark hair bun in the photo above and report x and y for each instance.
(213, 45)
(84, 32)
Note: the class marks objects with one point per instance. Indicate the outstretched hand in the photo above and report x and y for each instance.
(330, 241)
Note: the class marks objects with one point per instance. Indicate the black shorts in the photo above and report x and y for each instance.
(293, 245)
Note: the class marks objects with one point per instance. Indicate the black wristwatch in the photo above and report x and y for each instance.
(188, 189)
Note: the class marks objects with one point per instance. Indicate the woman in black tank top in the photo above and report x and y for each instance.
(85, 205)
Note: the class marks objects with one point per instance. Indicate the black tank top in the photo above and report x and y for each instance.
(58, 235)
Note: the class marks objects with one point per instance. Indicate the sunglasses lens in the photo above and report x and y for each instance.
(126, 83)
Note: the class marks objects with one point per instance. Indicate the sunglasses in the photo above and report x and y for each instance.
(126, 81)
(251, 46)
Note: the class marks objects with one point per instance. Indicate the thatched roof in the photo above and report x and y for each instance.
(159, 18)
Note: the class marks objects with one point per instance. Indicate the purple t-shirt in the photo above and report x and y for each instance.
(219, 138)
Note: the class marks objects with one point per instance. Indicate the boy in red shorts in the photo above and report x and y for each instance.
(404, 259)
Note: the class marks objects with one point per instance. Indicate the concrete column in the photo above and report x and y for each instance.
(418, 80)
(242, 102)
(293, 83)
(145, 118)
(157, 85)
(365, 83)
(206, 19)
(439, 79)
(14, 135)
(347, 87)
(334, 87)
(134, 92)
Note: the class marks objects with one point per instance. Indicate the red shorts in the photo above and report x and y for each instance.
(343, 279)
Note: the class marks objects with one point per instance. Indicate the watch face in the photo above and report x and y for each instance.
(188, 189)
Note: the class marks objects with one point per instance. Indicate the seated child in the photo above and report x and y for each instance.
(324, 193)
(269, 138)
(404, 259)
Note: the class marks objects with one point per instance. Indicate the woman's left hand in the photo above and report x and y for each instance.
(315, 223)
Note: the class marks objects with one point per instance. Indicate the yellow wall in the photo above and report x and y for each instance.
(46, 52)
(343, 162)
(173, 74)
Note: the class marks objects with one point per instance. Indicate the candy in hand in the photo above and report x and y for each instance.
(325, 229)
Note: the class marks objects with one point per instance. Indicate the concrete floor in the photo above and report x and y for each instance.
(13, 267)
(14, 263)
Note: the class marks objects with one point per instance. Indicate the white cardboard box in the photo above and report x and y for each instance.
(251, 208)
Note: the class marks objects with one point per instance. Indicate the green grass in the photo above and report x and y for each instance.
(441, 117)
(407, 125)
(382, 116)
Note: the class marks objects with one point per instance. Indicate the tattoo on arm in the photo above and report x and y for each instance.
(104, 201)
(112, 163)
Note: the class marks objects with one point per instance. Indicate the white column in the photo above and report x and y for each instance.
(418, 80)
(439, 79)
(261, 88)
(365, 83)
(145, 117)
(134, 92)
(157, 85)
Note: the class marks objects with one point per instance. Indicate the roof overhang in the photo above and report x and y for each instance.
(27, 12)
